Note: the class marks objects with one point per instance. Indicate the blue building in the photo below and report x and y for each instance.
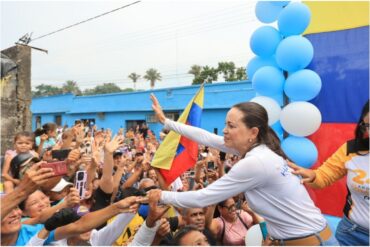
(125, 110)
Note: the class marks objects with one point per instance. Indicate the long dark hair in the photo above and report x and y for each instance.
(45, 128)
(361, 143)
(254, 115)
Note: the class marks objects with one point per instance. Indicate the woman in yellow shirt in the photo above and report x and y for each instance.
(351, 159)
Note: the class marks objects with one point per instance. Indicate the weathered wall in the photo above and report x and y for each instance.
(15, 95)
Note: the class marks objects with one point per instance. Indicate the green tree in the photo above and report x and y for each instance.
(152, 75)
(71, 87)
(46, 90)
(228, 70)
(103, 89)
(207, 74)
(240, 74)
(195, 70)
(134, 77)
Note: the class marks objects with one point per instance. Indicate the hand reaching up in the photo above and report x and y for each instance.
(113, 145)
(157, 109)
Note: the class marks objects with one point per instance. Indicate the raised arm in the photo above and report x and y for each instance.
(32, 180)
(196, 134)
(106, 183)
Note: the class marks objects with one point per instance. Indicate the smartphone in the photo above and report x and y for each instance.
(59, 167)
(61, 154)
(80, 183)
(211, 165)
(222, 156)
(191, 183)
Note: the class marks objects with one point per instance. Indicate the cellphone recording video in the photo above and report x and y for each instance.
(222, 156)
(211, 165)
(60, 154)
(191, 182)
(59, 167)
(80, 183)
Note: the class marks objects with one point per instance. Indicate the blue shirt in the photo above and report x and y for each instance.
(28, 231)
(48, 143)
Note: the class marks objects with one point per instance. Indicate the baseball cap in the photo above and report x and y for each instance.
(61, 185)
(117, 153)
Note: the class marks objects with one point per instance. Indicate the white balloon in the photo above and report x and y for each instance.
(272, 107)
(254, 236)
(300, 118)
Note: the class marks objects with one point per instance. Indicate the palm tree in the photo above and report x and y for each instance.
(134, 77)
(195, 70)
(71, 87)
(152, 75)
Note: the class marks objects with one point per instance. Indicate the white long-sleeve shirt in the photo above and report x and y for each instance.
(270, 188)
(145, 235)
(104, 237)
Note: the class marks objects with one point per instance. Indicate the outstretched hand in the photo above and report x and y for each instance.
(157, 109)
(308, 175)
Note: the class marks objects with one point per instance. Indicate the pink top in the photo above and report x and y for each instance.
(235, 232)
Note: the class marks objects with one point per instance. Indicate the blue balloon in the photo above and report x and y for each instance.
(267, 12)
(278, 130)
(333, 222)
(264, 41)
(258, 62)
(268, 81)
(300, 150)
(294, 53)
(294, 19)
(280, 3)
(303, 85)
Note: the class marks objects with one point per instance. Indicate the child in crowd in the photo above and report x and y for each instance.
(23, 143)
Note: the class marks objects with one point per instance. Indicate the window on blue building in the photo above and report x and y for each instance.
(38, 122)
(58, 120)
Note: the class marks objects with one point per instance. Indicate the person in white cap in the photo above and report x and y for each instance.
(59, 191)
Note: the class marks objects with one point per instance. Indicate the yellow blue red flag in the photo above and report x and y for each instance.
(177, 153)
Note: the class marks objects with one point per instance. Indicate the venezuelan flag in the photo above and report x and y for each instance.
(339, 33)
(177, 153)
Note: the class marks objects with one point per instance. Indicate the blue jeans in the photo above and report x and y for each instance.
(349, 233)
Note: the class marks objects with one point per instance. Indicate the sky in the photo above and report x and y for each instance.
(167, 35)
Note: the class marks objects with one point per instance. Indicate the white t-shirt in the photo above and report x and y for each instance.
(104, 237)
(270, 188)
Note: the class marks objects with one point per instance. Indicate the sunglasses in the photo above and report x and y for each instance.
(365, 125)
(230, 208)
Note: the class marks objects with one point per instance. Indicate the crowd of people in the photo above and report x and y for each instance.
(84, 186)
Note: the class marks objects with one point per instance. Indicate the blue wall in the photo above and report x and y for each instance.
(113, 110)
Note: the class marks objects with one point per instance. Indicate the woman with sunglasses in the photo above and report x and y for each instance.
(351, 159)
(232, 225)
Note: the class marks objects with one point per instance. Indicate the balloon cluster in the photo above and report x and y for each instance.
(282, 55)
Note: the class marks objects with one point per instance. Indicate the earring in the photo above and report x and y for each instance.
(250, 140)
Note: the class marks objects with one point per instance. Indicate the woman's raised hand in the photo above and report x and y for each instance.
(157, 109)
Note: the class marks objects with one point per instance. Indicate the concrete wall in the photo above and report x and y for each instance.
(15, 95)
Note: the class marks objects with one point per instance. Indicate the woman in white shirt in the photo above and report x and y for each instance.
(262, 173)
